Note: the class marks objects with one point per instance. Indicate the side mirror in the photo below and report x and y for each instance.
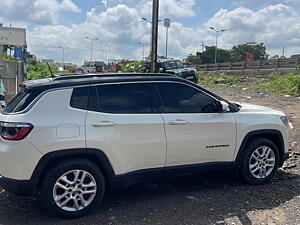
(224, 107)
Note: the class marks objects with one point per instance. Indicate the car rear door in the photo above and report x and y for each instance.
(123, 121)
(196, 132)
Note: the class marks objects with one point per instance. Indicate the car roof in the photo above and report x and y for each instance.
(93, 78)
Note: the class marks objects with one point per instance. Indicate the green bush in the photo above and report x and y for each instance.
(39, 70)
(282, 84)
(134, 67)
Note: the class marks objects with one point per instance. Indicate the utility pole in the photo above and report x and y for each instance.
(1, 49)
(92, 45)
(217, 36)
(154, 38)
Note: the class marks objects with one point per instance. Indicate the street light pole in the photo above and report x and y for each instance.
(148, 21)
(167, 38)
(217, 36)
(143, 45)
(92, 45)
(63, 53)
(106, 54)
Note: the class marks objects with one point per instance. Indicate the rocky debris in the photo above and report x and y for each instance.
(263, 95)
(289, 165)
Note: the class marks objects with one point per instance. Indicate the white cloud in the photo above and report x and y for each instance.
(36, 11)
(171, 8)
(275, 25)
(120, 29)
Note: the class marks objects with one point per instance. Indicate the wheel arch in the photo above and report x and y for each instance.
(50, 159)
(273, 135)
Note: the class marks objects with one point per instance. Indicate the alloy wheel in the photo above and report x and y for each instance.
(74, 190)
(262, 162)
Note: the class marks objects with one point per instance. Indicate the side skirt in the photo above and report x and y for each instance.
(141, 176)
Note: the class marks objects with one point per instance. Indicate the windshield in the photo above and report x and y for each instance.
(179, 64)
(170, 65)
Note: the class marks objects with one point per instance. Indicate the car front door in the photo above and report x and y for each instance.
(124, 123)
(196, 131)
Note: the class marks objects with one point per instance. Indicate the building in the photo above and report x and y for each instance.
(12, 72)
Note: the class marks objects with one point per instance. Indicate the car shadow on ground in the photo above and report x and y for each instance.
(210, 198)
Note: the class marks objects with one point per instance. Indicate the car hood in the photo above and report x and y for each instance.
(176, 70)
(257, 108)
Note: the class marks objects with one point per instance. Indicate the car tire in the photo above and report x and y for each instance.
(260, 161)
(76, 180)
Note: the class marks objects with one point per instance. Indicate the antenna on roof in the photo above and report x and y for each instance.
(52, 76)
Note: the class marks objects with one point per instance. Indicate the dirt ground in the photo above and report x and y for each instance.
(214, 198)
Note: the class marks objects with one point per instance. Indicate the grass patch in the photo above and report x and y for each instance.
(222, 80)
(281, 84)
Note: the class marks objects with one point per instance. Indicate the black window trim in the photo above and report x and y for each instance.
(153, 92)
(163, 105)
(157, 91)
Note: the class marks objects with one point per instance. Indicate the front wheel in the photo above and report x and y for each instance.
(71, 189)
(260, 162)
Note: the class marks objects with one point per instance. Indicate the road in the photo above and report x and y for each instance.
(214, 198)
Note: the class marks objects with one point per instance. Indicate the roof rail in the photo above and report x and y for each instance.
(90, 75)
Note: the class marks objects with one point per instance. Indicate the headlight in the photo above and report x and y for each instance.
(285, 120)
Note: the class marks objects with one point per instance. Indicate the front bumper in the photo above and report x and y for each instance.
(17, 187)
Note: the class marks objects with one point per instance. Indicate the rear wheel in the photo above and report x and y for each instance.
(260, 162)
(71, 189)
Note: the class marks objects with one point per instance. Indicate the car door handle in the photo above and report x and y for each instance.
(103, 124)
(178, 122)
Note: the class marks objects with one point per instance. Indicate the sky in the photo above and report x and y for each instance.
(119, 29)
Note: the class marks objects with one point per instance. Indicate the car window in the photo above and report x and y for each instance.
(126, 98)
(79, 98)
(181, 98)
(21, 101)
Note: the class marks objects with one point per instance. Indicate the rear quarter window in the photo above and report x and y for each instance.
(79, 99)
(21, 101)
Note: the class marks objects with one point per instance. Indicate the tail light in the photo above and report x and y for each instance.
(15, 131)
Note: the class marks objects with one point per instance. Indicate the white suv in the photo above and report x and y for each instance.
(72, 137)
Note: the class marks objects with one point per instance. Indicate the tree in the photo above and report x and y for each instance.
(208, 56)
(194, 59)
(238, 53)
(39, 70)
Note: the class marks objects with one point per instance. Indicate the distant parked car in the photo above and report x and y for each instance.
(93, 67)
(177, 68)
